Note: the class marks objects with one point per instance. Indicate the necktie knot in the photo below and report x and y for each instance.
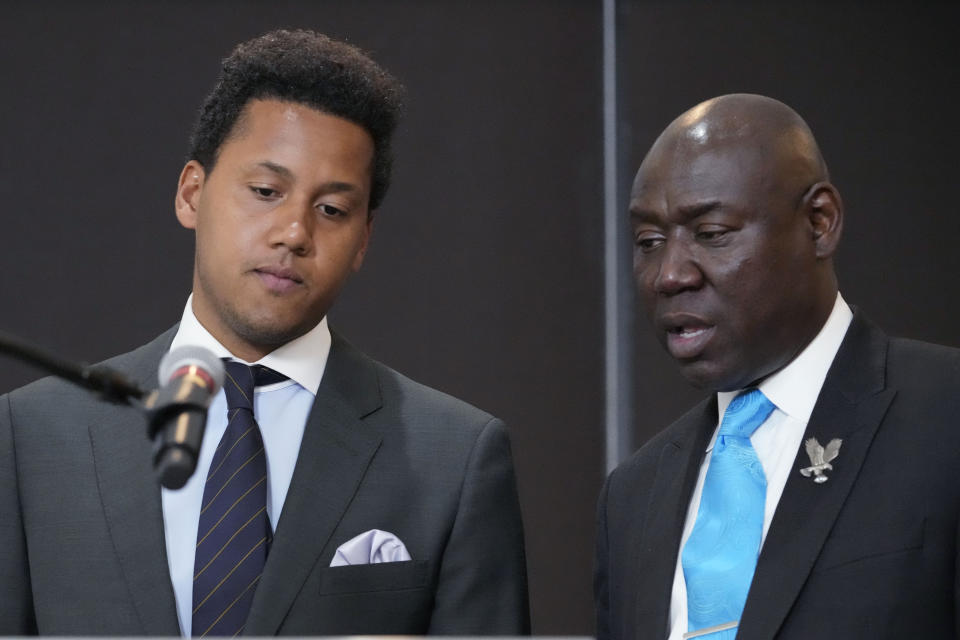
(240, 381)
(745, 414)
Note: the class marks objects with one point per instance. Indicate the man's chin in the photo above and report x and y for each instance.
(696, 378)
(265, 336)
(707, 375)
(713, 377)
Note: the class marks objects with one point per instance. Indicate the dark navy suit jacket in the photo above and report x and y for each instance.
(871, 553)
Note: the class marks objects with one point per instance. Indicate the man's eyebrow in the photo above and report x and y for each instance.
(338, 187)
(689, 212)
(640, 216)
(278, 169)
(333, 186)
(685, 213)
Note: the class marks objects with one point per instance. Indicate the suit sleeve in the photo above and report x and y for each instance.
(16, 602)
(482, 584)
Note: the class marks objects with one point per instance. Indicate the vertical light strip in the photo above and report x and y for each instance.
(616, 345)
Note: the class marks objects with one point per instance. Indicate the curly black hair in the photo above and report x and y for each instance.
(308, 68)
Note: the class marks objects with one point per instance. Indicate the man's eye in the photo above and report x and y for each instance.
(648, 241)
(711, 235)
(330, 210)
(264, 192)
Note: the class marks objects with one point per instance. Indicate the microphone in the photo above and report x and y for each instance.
(177, 412)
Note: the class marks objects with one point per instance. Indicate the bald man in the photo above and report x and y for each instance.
(814, 493)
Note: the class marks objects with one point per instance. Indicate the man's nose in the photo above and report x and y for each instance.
(678, 270)
(293, 227)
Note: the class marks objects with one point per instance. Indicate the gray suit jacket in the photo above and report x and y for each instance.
(871, 553)
(82, 547)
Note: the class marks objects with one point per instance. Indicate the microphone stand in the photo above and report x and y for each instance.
(112, 385)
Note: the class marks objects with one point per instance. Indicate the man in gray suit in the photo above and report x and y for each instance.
(389, 507)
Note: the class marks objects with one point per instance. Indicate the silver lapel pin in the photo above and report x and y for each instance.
(820, 458)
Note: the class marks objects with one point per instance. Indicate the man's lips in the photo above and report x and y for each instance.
(687, 334)
(279, 279)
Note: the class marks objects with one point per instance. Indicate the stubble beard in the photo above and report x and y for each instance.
(261, 331)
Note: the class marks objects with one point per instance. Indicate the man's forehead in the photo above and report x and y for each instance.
(699, 170)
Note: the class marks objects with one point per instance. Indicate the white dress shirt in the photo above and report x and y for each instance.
(281, 410)
(794, 391)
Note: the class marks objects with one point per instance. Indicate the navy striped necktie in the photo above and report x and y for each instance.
(234, 532)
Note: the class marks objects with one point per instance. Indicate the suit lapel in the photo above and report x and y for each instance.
(336, 450)
(851, 406)
(676, 476)
(130, 495)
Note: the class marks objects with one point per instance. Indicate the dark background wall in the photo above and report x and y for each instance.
(878, 84)
(484, 277)
(485, 274)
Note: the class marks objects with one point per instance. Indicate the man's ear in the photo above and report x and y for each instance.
(824, 210)
(188, 193)
(365, 242)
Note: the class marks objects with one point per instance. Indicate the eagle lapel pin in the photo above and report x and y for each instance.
(820, 458)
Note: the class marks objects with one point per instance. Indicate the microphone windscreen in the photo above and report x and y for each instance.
(191, 355)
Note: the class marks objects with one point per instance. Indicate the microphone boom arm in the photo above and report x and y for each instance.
(111, 385)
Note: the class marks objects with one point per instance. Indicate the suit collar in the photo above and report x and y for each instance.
(130, 494)
(352, 377)
(676, 476)
(794, 389)
(851, 406)
(336, 451)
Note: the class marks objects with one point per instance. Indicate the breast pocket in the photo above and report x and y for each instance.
(370, 578)
(866, 544)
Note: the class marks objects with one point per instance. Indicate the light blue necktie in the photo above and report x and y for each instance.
(721, 553)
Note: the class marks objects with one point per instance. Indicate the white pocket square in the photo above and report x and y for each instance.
(370, 547)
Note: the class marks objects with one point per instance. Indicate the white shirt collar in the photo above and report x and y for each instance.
(795, 388)
(303, 360)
